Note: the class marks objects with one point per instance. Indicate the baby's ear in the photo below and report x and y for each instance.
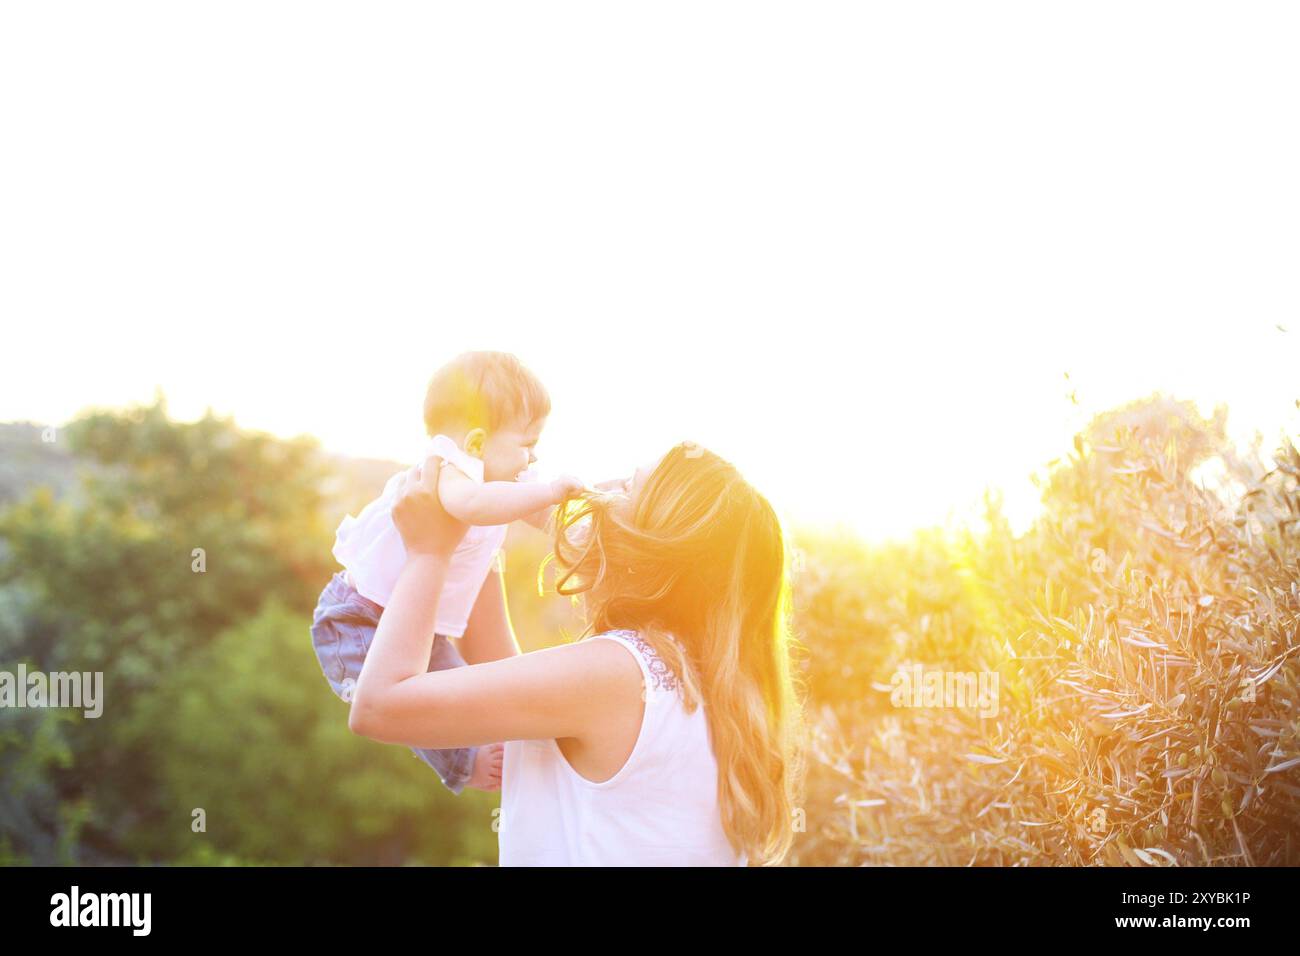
(475, 438)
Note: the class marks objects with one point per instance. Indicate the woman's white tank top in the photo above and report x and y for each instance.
(660, 809)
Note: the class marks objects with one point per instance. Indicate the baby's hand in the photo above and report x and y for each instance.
(567, 486)
(486, 774)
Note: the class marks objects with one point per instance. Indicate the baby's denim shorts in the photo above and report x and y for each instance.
(342, 630)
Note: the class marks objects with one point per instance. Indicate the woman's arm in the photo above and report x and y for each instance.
(541, 520)
(559, 692)
(489, 635)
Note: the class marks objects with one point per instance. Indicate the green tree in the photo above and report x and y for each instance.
(176, 532)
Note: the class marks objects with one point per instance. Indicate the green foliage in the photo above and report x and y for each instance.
(1129, 629)
(213, 697)
(248, 731)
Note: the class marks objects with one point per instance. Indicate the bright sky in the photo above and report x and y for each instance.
(854, 247)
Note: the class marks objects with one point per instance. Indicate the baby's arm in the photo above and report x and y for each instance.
(541, 520)
(499, 502)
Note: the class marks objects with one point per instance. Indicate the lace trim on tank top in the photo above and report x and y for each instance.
(660, 672)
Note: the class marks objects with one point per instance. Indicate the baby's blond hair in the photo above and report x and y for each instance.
(483, 390)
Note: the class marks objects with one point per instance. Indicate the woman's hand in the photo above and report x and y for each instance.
(423, 523)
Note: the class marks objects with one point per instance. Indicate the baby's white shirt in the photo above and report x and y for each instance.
(371, 548)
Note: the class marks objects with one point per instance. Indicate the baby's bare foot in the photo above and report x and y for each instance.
(487, 768)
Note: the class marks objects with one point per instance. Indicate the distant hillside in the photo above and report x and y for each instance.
(354, 481)
(28, 461)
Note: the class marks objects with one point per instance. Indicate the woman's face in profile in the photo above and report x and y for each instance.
(630, 486)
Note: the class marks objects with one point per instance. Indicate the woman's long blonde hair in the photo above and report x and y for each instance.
(697, 564)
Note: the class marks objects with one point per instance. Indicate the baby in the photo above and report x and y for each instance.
(484, 413)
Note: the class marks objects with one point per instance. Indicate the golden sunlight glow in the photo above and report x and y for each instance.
(865, 288)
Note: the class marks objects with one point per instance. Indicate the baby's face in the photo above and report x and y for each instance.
(508, 450)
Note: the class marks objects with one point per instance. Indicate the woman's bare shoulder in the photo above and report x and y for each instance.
(598, 666)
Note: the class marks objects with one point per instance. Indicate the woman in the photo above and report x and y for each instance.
(670, 735)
